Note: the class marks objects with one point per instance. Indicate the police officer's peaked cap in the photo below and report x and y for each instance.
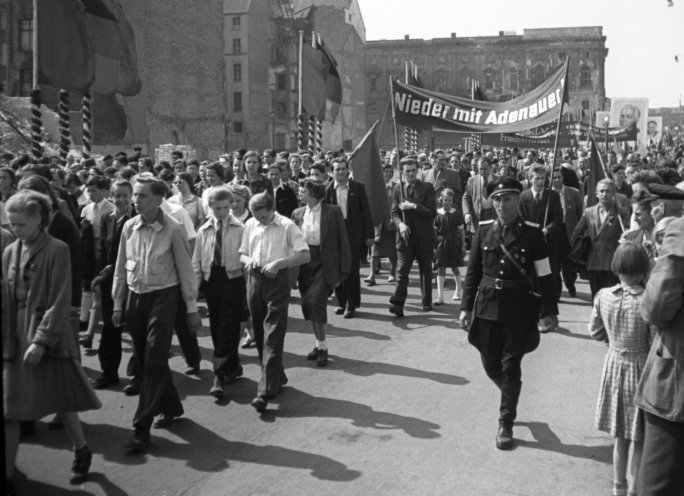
(502, 185)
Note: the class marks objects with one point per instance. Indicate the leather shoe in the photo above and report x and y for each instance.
(192, 370)
(79, 470)
(248, 343)
(396, 310)
(321, 358)
(233, 376)
(313, 355)
(103, 382)
(217, 387)
(350, 314)
(391, 279)
(572, 291)
(139, 443)
(164, 421)
(339, 310)
(370, 282)
(132, 388)
(259, 404)
(504, 438)
(427, 308)
(86, 342)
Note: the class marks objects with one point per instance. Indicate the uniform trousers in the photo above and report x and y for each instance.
(501, 346)
(662, 462)
(348, 293)
(268, 301)
(225, 299)
(405, 257)
(150, 320)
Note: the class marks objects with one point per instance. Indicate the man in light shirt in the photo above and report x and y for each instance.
(271, 244)
(153, 273)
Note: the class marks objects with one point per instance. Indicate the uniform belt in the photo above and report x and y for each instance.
(493, 282)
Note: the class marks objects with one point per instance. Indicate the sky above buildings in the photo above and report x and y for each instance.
(643, 36)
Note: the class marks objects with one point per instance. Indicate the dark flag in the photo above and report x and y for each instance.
(113, 40)
(367, 168)
(320, 80)
(596, 172)
(65, 54)
(478, 94)
(415, 81)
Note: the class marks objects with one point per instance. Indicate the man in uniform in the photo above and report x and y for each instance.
(507, 282)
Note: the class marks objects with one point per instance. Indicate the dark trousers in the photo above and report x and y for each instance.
(109, 351)
(348, 293)
(501, 351)
(187, 339)
(599, 279)
(405, 258)
(268, 301)
(569, 271)
(662, 463)
(225, 299)
(150, 320)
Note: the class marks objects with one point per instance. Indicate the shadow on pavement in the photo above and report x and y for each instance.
(28, 486)
(366, 369)
(298, 404)
(546, 439)
(566, 332)
(205, 451)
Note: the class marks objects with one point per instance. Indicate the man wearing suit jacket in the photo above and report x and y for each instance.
(476, 204)
(572, 204)
(442, 177)
(351, 197)
(413, 212)
(603, 224)
(284, 196)
(542, 207)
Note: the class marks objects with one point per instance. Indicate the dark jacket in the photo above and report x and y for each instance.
(285, 199)
(603, 238)
(335, 252)
(421, 220)
(64, 228)
(359, 221)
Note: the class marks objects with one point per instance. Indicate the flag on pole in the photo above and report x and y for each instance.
(320, 80)
(367, 168)
(113, 40)
(65, 53)
(596, 171)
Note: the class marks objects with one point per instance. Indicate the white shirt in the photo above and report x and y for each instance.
(93, 212)
(342, 192)
(280, 238)
(181, 216)
(311, 225)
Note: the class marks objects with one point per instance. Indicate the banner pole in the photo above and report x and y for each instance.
(396, 141)
(555, 144)
(300, 80)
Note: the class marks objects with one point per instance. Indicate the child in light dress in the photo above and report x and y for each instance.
(449, 228)
(616, 320)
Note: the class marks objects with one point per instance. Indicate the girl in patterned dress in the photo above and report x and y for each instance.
(615, 319)
(450, 231)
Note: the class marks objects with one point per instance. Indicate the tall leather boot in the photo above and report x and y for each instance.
(510, 393)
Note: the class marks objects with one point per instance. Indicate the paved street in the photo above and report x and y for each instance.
(404, 407)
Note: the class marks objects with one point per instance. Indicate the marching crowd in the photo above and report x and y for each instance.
(127, 243)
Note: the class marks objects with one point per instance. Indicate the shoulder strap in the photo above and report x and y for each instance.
(515, 263)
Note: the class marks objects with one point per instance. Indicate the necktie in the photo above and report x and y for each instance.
(409, 192)
(537, 198)
(218, 245)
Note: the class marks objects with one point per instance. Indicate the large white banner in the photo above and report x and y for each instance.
(626, 110)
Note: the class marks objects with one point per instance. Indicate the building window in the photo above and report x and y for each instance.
(585, 77)
(514, 82)
(25, 82)
(562, 55)
(25, 35)
(489, 81)
(237, 45)
(237, 127)
(281, 81)
(373, 84)
(280, 141)
(236, 24)
(237, 72)
(237, 101)
(585, 105)
(538, 75)
(587, 55)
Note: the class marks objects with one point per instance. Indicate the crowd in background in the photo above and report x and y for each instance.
(144, 239)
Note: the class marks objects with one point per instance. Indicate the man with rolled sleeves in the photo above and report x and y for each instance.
(507, 282)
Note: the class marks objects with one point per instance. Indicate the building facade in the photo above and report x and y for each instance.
(218, 75)
(505, 66)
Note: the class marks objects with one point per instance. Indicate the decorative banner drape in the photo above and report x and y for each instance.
(36, 124)
(64, 131)
(87, 124)
(419, 108)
